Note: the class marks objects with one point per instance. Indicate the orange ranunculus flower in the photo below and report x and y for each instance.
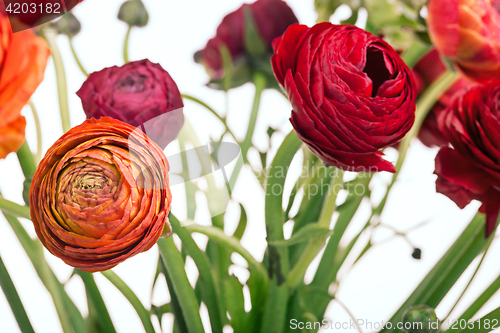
(101, 195)
(467, 32)
(23, 58)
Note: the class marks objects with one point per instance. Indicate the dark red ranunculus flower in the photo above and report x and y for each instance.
(28, 14)
(351, 93)
(471, 169)
(426, 71)
(139, 93)
(271, 18)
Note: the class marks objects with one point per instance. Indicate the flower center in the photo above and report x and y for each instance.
(376, 69)
(132, 83)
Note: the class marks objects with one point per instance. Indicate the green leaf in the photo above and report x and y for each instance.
(174, 265)
(69, 315)
(242, 225)
(159, 311)
(15, 303)
(95, 300)
(448, 269)
(275, 308)
(485, 324)
(481, 300)
(310, 231)
(232, 292)
(144, 314)
(206, 280)
(179, 320)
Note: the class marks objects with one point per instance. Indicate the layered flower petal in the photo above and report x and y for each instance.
(351, 93)
(467, 32)
(23, 58)
(139, 93)
(471, 168)
(101, 195)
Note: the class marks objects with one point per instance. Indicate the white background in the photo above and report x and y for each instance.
(373, 290)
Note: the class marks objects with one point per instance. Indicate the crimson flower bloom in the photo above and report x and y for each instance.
(271, 19)
(139, 93)
(470, 169)
(101, 195)
(351, 93)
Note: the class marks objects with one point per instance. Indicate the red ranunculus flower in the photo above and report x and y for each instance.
(101, 195)
(471, 169)
(426, 71)
(467, 32)
(28, 14)
(351, 93)
(139, 93)
(271, 18)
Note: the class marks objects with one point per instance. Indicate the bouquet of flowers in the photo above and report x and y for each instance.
(360, 94)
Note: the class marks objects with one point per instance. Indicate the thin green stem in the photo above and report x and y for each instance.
(144, 314)
(77, 59)
(14, 209)
(222, 120)
(314, 247)
(471, 279)
(50, 36)
(260, 82)
(414, 53)
(26, 160)
(126, 45)
(349, 313)
(39, 139)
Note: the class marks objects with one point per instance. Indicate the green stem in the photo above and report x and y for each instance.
(62, 88)
(314, 247)
(125, 45)
(414, 53)
(144, 314)
(14, 209)
(26, 160)
(15, 303)
(39, 139)
(471, 279)
(481, 300)
(222, 120)
(77, 59)
(424, 105)
(259, 81)
(174, 265)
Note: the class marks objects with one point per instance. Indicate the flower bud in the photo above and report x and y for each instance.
(420, 319)
(133, 13)
(68, 25)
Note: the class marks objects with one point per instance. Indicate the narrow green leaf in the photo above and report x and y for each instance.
(481, 300)
(15, 303)
(207, 282)
(144, 314)
(232, 292)
(95, 300)
(242, 225)
(179, 321)
(485, 324)
(447, 270)
(274, 315)
(180, 283)
(310, 231)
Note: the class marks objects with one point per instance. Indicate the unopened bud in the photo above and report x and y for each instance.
(133, 13)
(68, 25)
(420, 319)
